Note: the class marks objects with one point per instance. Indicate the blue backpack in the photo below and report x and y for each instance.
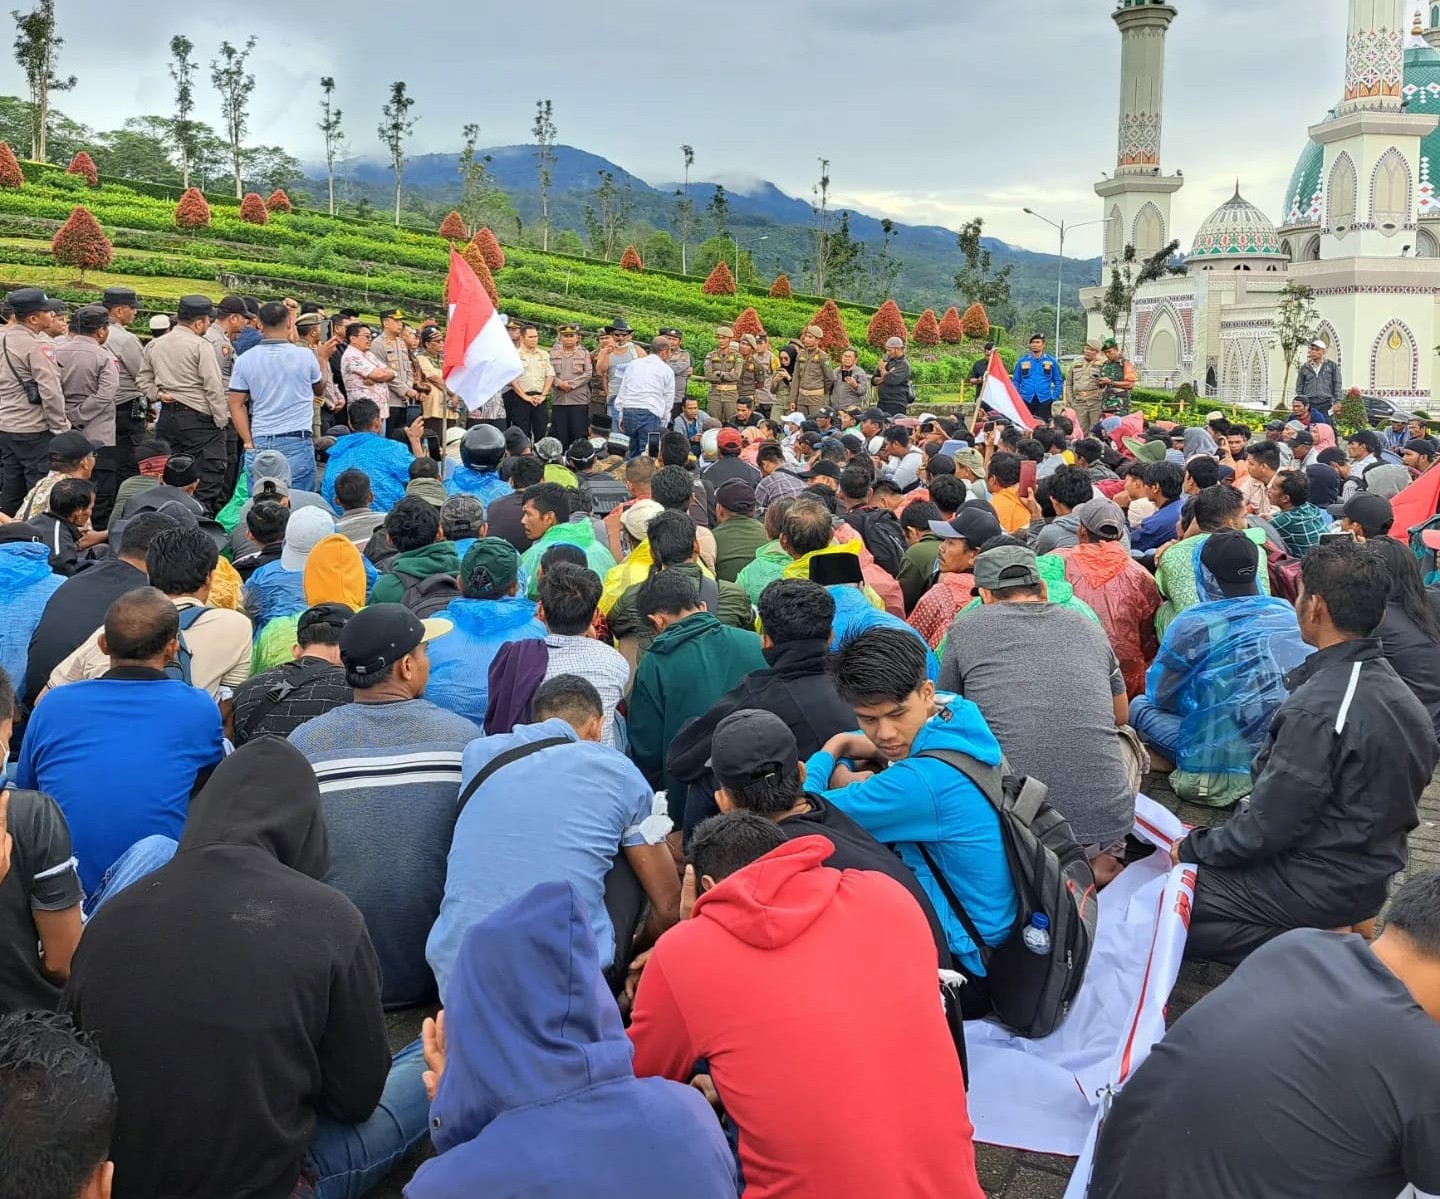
(180, 668)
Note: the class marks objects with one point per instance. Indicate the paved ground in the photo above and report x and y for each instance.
(1010, 1173)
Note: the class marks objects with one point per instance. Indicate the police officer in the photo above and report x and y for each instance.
(91, 380)
(812, 376)
(722, 372)
(230, 320)
(182, 373)
(683, 366)
(131, 410)
(32, 404)
(1084, 389)
(570, 410)
(1038, 379)
(391, 349)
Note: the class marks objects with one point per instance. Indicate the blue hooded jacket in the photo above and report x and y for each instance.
(855, 615)
(485, 485)
(273, 591)
(27, 583)
(460, 660)
(539, 1099)
(386, 463)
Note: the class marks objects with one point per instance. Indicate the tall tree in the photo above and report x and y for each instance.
(235, 84)
(544, 133)
(184, 128)
(845, 259)
(395, 126)
(975, 282)
(820, 209)
(886, 269)
(685, 207)
(1296, 319)
(36, 46)
(606, 225)
(719, 210)
(474, 177)
(330, 126)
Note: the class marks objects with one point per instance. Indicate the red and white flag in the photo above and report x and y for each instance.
(480, 359)
(999, 394)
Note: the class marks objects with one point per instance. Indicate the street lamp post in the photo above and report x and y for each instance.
(749, 242)
(1063, 229)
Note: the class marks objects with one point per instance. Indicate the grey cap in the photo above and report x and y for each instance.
(1103, 516)
(271, 464)
(973, 525)
(894, 343)
(1006, 567)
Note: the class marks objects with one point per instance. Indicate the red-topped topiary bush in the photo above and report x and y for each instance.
(780, 289)
(452, 228)
(84, 166)
(748, 322)
(278, 201)
(631, 260)
(490, 247)
(927, 329)
(975, 323)
(952, 330)
(829, 319)
(10, 173)
(887, 322)
(193, 211)
(720, 281)
(81, 243)
(253, 210)
(472, 254)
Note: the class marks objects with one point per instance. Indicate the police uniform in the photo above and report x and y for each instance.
(683, 366)
(570, 410)
(27, 368)
(395, 354)
(216, 336)
(722, 372)
(91, 380)
(1085, 389)
(811, 377)
(194, 416)
(131, 409)
(1038, 380)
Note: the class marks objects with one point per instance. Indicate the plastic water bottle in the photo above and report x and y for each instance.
(1037, 933)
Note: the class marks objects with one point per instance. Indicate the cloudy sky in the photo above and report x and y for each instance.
(939, 113)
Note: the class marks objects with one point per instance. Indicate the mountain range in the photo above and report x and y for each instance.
(928, 254)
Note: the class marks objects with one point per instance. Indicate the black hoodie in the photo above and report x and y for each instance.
(234, 996)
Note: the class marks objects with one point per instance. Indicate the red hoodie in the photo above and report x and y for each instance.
(813, 995)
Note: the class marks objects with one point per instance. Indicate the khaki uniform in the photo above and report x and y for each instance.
(1084, 393)
(224, 351)
(184, 366)
(26, 428)
(722, 372)
(753, 377)
(811, 380)
(395, 354)
(570, 410)
(90, 380)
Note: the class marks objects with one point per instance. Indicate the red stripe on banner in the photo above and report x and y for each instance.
(1144, 990)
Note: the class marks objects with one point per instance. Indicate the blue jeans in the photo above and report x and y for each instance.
(638, 425)
(299, 451)
(349, 1159)
(145, 856)
(1157, 728)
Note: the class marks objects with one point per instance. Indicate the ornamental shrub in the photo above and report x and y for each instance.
(780, 289)
(452, 228)
(84, 166)
(81, 243)
(975, 323)
(829, 319)
(1353, 415)
(927, 329)
(490, 247)
(720, 282)
(10, 173)
(952, 329)
(253, 210)
(473, 255)
(278, 201)
(193, 211)
(748, 322)
(887, 322)
(631, 260)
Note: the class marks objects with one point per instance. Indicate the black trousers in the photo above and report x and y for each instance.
(570, 423)
(194, 434)
(1236, 912)
(106, 485)
(531, 419)
(627, 905)
(24, 461)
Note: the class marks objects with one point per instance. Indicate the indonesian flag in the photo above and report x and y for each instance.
(480, 359)
(998, 393)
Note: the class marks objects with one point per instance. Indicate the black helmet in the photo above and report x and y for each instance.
(482, 447)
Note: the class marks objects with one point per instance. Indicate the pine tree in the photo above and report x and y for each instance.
(631, 260)
(887, 322)
(927, 329)
(975, 323)
(720, 282)
(830, 321)
(193, 211)
(780, 289)
(489, 246)
(278, 201)
(253, 210)
(10, 173)
(473, 255)
(452, 228)
(952, 329)
(81, 243)
(84, 166)
(748, 322)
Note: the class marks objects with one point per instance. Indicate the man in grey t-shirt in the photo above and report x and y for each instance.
(1066, 732)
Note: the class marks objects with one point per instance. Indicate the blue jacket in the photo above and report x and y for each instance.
(460, 660)
(1157, 528)
(27, 583)
(386, 462)
(854, 614)
(1038, 380)
(274, 591)
(925, 800)
(485, 485)
(538, 1099)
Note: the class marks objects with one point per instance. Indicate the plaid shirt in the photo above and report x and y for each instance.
(1300, 528)
(601, 664)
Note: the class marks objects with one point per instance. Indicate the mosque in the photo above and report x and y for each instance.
(1359, 223)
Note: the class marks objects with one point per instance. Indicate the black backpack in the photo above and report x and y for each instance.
(882, 535)
(429, 595)
(1031, 992)
(604, 493)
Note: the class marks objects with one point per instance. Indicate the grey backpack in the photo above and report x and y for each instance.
(1031, 992)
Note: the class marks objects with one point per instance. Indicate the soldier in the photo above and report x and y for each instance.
(182, 373)
(812, 376)
(1084, 389)
(32, 405)
(131, 410)
(722, 372)
(1037, 379)
(851, 385)
(90, 380)
(1119, 375)
(570, 414)
(683, 366)
(391, 349)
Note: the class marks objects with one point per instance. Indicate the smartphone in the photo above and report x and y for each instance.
(325, 329)
(652, 445)
(1331, 538)
(433, 446)
(1027, 479)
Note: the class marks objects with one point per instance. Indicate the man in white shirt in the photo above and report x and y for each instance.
(647, 393)
(902, 460)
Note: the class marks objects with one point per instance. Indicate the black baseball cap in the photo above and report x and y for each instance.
(975, 526)
(832, 570)
(875, 414)
(380, 635)
(1421, 445)
(750, 746)
(1234, 560)
(71, 446)
(1372, 513)
(831, 470)
(335, 615)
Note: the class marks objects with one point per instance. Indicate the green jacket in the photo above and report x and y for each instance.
(733, 609)
(574, 532)
(769, 564)
(437, 558)
(736, 543)
(917, 567)
(690, 665)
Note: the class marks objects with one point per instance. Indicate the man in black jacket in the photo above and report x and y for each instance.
(796, 616)
(1337, 782)
(892, 379)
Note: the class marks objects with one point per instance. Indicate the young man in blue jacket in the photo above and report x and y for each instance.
(913, 800)
(1038, 379)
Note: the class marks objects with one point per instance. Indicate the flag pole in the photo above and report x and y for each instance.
(980, 391)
